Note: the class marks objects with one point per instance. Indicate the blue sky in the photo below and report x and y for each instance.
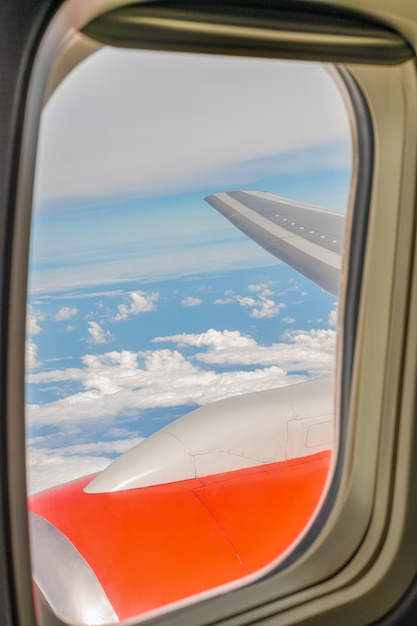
(144, 302)
(133, 239)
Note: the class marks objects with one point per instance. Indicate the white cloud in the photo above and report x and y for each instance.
(212, 338)
(189, 301)
(70, 328)
(261, 308)
(256, 288)
(316, 338)
(266, 308)
(141, 302)
(288, 320)
(45, 469)
(263, 288)
(32, 326)
(79, 295)
(117, 446)
(332, 319)
(166, 360)
(31, 354)
(97, 334)
(32, 319)
(66, 313)
(244, 301)
(53, 376)
(224, 300)
(126, 382)
(167, 380)
(49, 465)
(311, 351)
(301, 107)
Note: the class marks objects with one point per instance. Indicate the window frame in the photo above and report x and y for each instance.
(374, 564)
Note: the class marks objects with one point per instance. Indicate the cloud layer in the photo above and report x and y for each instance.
(120, 382)
(47, 467)
(131, 143)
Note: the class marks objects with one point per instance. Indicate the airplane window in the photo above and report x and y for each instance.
(186, 250)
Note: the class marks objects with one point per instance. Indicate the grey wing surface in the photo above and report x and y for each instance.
(306, 237)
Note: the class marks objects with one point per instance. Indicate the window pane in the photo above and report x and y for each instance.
(185, 258)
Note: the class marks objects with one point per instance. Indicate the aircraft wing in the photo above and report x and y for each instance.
(306, 237)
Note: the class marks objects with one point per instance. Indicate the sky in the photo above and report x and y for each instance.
(144, 302)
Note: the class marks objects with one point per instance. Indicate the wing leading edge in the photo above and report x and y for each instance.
(306, 237)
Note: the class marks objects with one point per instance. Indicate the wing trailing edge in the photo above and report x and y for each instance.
(306, 237)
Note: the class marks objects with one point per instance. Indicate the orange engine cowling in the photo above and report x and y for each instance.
(151, 546)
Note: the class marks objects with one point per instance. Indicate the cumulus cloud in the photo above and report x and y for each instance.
(263, 288)
(126, 382)
(260, 308)
(141, 302)
(189, 301)
(31, 354)
(32, 326)
(301, 350)
(97, 334)
(266, 308)
(244, 301)
(167, 380)
(288, 320)
(212, 338)
(32, 319)
(184, 370)
(66, 313)
(332, 319)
